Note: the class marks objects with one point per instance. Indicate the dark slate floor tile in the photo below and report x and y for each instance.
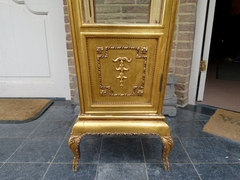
(202, 117)
(19, 130)
(64, 172)
(201, 108)
(37, 150)
(172, 124)
(52, 129)
(232, 146)
(185, 115)
(217, 171)
(62, 103)
(121, 172)
(8, 146)
(189, 129)
(2, 126)
(61, 113)
(206, 150)
(235, 168)
(120, 150)
(152, 148)
(22, 171)
(177, 171)
(89, 148)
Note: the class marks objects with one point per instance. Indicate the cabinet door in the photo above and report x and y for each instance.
(122, 50)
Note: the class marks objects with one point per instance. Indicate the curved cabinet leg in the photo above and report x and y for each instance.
(73, 144)
(167, 145)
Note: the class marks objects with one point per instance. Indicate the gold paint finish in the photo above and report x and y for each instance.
(120, 68)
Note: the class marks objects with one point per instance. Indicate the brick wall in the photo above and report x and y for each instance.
(122, 11)
(181, 57)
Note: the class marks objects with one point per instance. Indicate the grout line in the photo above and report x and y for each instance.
(190, 159)
(99, 157)
(21, 145)
(145, 164)
(58, 150)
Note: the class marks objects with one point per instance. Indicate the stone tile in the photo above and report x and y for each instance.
(185, 115)
(232, 146)
(23, 171)
(202, 117)
(8, 146)
(120, 150)
(206, 150)
(189, 129)
(19, 130)
(64, 171)
(62, 103)
(200, 108)
(235, 168)
(89, 149)
(121, 171)
(52, 129)
(172, 124)
(37, 150)
(218, 171)
(152, 148)
(65, 113)
(177, 171)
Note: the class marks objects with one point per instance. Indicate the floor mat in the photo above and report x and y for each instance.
(225, 124)
(22, 110)
(228, 71)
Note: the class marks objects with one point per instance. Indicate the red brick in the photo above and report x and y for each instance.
(186, 27)
(107, 9)
(188, 8)
(72, 70)
(181, 87)
(120, 1)
(183, 63)
(184, 54)
(186, 36)
(182, 70)
(187, 18)
(185, 45)
(135, 9)
(69, 45)
(188, 1)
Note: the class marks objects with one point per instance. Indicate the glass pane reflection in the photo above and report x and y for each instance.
(122, 11)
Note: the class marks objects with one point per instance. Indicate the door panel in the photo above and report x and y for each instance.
(125, 72)
(33, 55)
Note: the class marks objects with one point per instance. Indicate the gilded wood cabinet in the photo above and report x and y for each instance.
(122, 51)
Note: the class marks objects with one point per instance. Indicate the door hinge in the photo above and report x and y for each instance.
(161, 81)
(203, 65)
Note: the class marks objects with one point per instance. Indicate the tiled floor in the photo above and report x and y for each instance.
(38, 150)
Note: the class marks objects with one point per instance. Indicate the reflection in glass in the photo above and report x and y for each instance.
(122, 11)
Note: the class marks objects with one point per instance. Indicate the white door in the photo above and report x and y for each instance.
(33, 55)
(202, 41)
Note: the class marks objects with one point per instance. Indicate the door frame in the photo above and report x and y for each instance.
(201, 48)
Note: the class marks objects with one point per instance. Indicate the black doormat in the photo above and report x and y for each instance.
(228, 71)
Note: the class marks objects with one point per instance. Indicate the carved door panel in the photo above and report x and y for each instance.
(33, 49)
(122, 50)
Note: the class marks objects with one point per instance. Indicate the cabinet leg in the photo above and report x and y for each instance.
(73, 144)
(167, 145)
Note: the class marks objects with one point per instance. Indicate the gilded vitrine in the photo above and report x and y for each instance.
(122, 50)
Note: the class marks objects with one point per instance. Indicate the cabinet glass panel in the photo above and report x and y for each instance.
(123, 11)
